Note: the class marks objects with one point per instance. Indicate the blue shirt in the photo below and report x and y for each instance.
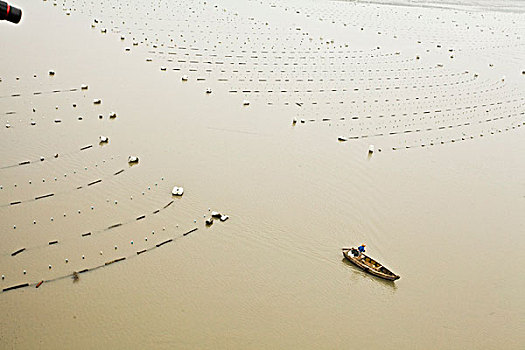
(361, 248)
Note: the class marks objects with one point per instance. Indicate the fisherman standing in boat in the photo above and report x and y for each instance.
(361, 248)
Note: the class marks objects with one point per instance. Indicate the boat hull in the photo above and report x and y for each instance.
(370, 266)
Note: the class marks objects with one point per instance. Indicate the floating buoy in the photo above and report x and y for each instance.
(133, 159)
(177, 191)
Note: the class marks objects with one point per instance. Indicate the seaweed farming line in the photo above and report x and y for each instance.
(14, 203)
(37, 93)
(439, 128)
(59, 178)
(463, 138)
(45, 158)
(93, 232)
(75, 274)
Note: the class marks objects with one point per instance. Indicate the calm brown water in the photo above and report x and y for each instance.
(440, 201)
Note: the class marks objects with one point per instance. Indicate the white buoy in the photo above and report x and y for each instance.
(177, 191)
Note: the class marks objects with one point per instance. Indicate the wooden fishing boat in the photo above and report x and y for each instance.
(368, 264)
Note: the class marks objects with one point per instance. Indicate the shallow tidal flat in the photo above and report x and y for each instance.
(265, 112)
